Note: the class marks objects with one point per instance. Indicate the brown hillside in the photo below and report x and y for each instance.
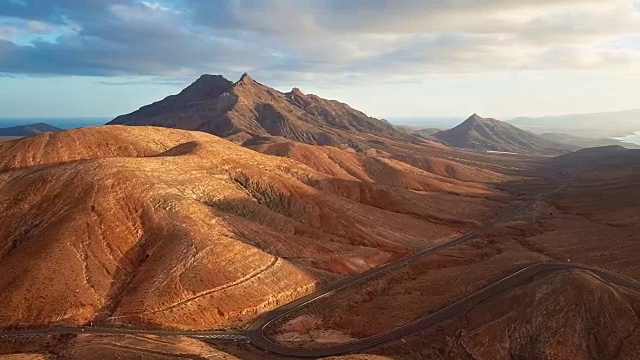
(171, 228)
(539, 319)
(249, 113)
(443, 175)
(247, 108)
(594, 221)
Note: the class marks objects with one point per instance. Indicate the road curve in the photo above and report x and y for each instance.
(255, 332)
(257, 337)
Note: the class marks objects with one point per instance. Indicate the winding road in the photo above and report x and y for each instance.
(257, 337)
(255, 333)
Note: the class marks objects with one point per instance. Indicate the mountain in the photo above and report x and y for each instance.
(585, 142)
(249, 113)
(27, 130)
(479, 133)
(165, 228)
(245, 109)
(596, 125)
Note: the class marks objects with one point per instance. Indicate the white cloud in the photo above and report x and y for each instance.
(390, 40)
(155, 6)
(8, 32)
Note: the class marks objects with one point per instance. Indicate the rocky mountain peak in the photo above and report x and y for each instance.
(475, 118)
(208, 80)
(260, 111)
(246, 78)
(206, 86)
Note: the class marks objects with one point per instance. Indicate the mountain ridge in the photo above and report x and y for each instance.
(245, 109)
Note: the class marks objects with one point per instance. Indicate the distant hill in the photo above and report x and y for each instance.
(596, 125)
(245, 109)
(586, 142)
(9, 138)
(599, 155)
(479, 133)
(27, 130)
(418, 130)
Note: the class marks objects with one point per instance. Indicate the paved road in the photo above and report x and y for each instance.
(255, 332)
(210, 335)
(256, 329)
(258, 339)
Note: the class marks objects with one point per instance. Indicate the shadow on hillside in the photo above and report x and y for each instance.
(129, 265)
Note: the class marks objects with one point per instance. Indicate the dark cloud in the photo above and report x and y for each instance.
(129, 39)
(310, 39)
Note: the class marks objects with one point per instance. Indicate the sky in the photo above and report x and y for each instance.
(389, 58)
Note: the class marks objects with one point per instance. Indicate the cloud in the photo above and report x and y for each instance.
(306, 40)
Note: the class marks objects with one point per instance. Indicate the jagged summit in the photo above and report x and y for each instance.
(475, 118)
(247, 108)
(245, 78)
(489, 134)
(296, 91)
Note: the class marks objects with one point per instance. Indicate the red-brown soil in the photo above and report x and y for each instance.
(539, 319)
(170, 228)
(568, 315)
(434, 174)
(164, 228)
(592, 221)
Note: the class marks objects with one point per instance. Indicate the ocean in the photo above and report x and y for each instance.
(633, 139)
(63, 123)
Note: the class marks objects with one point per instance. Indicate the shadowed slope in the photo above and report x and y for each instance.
(247, 108)
(27, 130)
(492, 135)
(175, 228)
(443, 175)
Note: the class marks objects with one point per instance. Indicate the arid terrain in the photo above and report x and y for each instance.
(159, 228)
(149, 225)
(309, 179)
(568, 226)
